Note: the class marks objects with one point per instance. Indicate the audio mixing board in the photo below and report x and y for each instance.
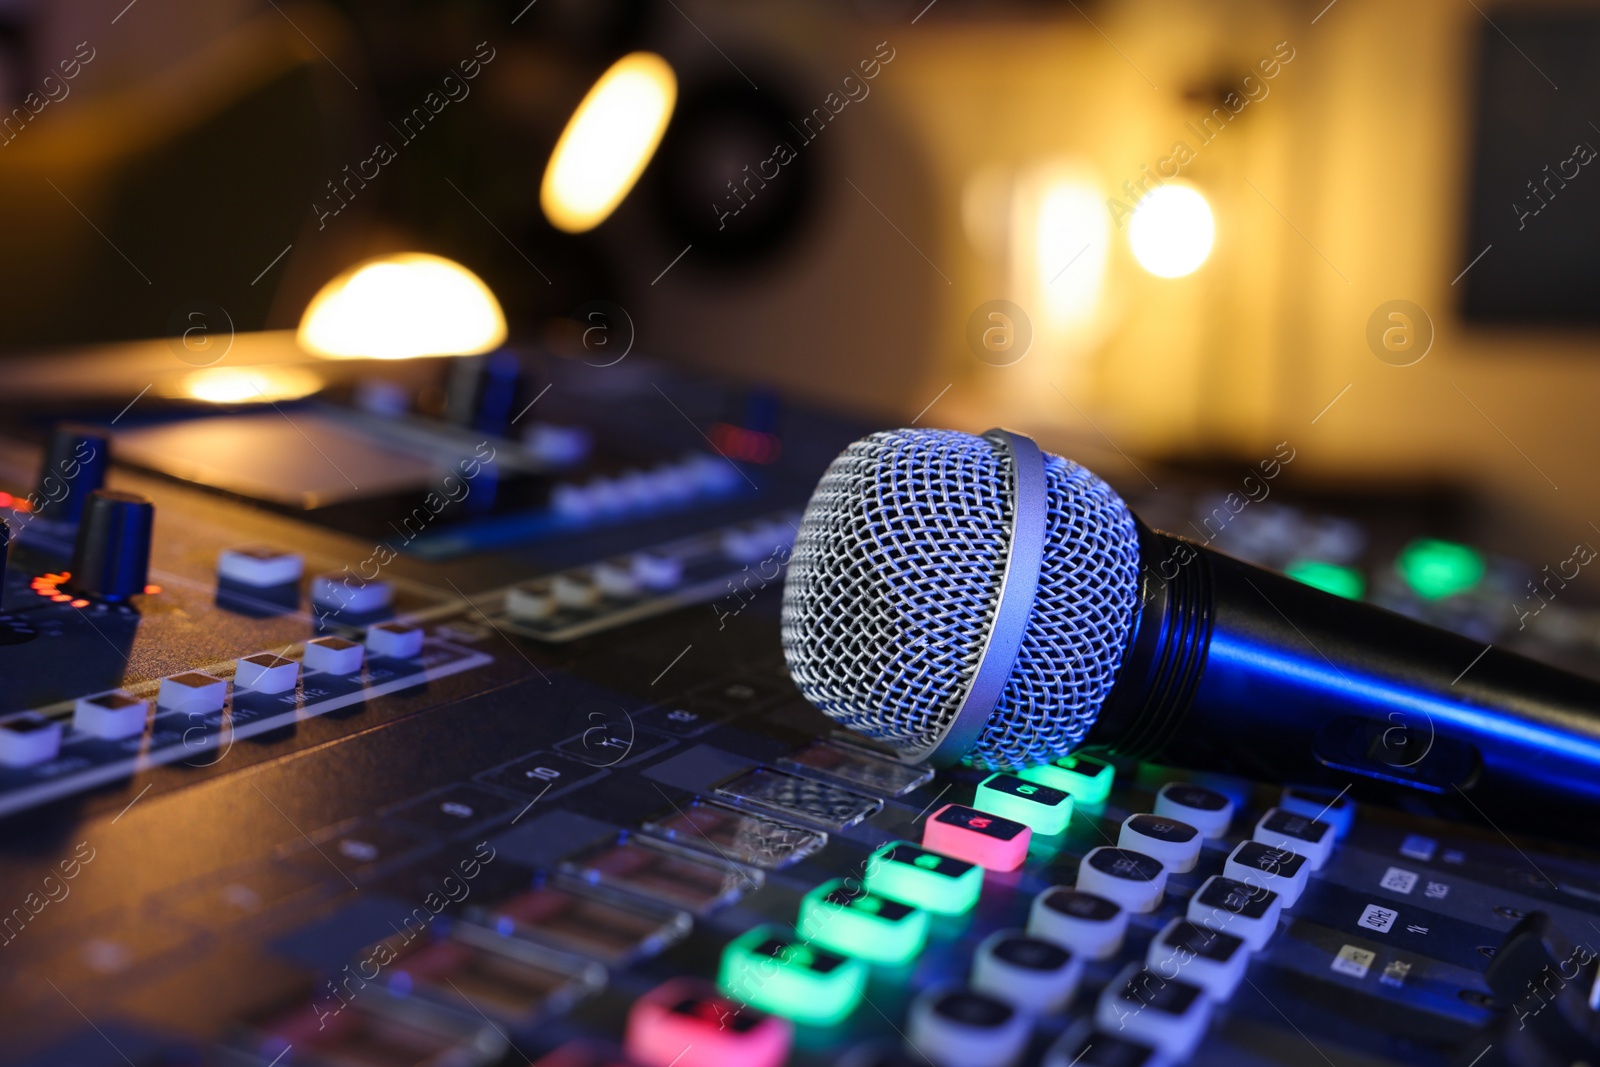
(561, 805)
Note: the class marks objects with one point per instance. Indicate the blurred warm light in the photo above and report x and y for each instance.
(1171, 231)
(608, 142)
(1072, 238)
(403, 307)
(255, 385)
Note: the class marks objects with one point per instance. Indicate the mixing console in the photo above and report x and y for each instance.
(565, 807)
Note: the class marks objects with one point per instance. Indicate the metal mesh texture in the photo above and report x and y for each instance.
(894, 582)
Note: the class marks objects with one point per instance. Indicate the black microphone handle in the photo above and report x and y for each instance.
(1237, 668)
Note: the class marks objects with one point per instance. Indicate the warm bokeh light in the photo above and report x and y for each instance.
(403, 307)
(1072, 235)
(609, 140)
(1171, 231)
(255, 385)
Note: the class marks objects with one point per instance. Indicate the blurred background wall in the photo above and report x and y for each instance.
(1358, 153)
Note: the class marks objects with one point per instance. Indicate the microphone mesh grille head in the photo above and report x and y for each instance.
(896, 575)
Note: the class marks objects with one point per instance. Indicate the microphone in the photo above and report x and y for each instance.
(972, 599)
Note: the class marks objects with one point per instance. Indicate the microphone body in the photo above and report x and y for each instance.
(1235, 667)
(971, 599)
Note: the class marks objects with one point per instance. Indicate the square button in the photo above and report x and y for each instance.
(266, 673)
(684, 1021)
(1086, 778)
(110, 716)
(1042, 808)
(1246, 911)
(1133, 879)
(1087, 923)
(259, 567)
(1174, 843)
(1208, 958)
(193, 692)
(540, 773)
(29, 738)
(1036, 974)
(1312, 838)
(396, 640)
(456, 809)
(977, 837)
(1167, 1013)
(1284, 872)
(1084, 1046)
(1335, 809)
(769, 968)
(333, 655)
(967, 1027)
(1204, 809)
(338, 593)
(854, 922)
(939, 884)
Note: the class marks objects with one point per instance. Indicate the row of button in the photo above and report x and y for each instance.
(668, 484)
(1016, 974)
(31, 738)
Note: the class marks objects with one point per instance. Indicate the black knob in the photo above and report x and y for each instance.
(111, 558)
(74, 466)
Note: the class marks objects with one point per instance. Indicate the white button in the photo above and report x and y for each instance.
(713, 474)
(747, 544)
(1208, 958)
(616, 580)
(1312, 838)
(110, 716)
(1090, 925)
(1204, 809)
(1248, 912)
(674, 483)
(341, 592)
(192, 692)
(333, 655)
(1131, 878)
(29, 738)
(964, 1028)
(266, 673)
(574, 591)
(638, 490)
(1335, 809)
(531, 601)
(1033, 973)
(260, 567)
(557, 446)
(572, 502)
(656, 572)
(1176, 844)
(397, 640)
(1108, 1047)
(1284, 872)
(1168, 1013)
(606, 496)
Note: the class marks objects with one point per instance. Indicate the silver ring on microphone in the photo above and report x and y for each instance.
(1018, 585)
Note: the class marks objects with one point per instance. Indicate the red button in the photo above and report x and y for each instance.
(977, 837)
(686, 1022)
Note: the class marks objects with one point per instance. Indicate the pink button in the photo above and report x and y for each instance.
(686, 1022)
(976, 836)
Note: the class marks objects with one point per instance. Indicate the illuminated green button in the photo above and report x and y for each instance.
(1086, 778)
(1328, 577)
(769, 969)
(1437, 569)
(913, 875)
(862, 924)
(1044, 808)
